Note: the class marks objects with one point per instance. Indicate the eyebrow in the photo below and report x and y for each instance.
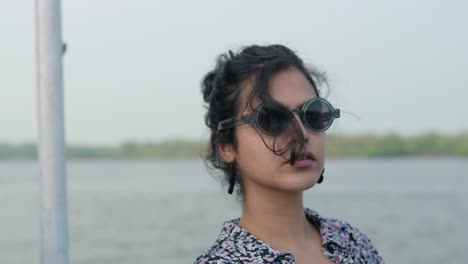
(301, 104)
(297, 106)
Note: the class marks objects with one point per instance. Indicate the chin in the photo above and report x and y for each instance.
(299, 184)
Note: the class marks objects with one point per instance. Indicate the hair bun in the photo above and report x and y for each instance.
(208, 86)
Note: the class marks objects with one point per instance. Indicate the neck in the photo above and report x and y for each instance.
(277, 218)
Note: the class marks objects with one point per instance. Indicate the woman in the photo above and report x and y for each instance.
(268, 124)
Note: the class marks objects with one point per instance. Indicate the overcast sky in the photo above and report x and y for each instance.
(133, 68)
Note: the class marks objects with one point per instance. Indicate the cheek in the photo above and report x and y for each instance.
(320, 147)
(276, 145)
(254, 158)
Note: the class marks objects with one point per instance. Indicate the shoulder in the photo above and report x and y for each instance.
(237, 245)
(218, 252)
(347, 236)
(212, 256)
(358, 241)
(223, 250)
(355, 234)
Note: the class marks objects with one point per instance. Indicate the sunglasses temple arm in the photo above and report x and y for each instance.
(232, 122)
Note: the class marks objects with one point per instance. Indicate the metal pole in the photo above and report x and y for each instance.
(51, 139)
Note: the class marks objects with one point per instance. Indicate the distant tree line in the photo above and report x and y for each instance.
(393, 144)
(361, 145)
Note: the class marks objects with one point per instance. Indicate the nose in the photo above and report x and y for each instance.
(305, 131)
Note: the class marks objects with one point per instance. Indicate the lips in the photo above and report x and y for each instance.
(304, 160)
(306, 155)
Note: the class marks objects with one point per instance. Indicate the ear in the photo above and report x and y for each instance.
(227, 152)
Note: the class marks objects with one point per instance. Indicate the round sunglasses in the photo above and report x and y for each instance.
(317, 115)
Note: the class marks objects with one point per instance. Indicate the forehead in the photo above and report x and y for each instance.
(289, 87)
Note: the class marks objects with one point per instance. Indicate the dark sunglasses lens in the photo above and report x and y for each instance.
(318, 115)
(273, 120)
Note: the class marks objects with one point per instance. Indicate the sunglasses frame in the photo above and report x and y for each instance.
(252, 117)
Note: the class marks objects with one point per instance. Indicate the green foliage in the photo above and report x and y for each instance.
(19, 151)
(175, 148)
(361, 145)
(392, 144)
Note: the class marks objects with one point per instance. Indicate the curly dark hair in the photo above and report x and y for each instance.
(222, 88)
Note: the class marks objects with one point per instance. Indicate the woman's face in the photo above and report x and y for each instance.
(258, 166)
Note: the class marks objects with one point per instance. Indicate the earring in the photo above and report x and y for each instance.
(232, 178)
(320, 180)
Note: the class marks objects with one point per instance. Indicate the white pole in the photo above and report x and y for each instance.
(51, 139)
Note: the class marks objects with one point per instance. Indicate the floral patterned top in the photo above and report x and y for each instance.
(342, 243)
